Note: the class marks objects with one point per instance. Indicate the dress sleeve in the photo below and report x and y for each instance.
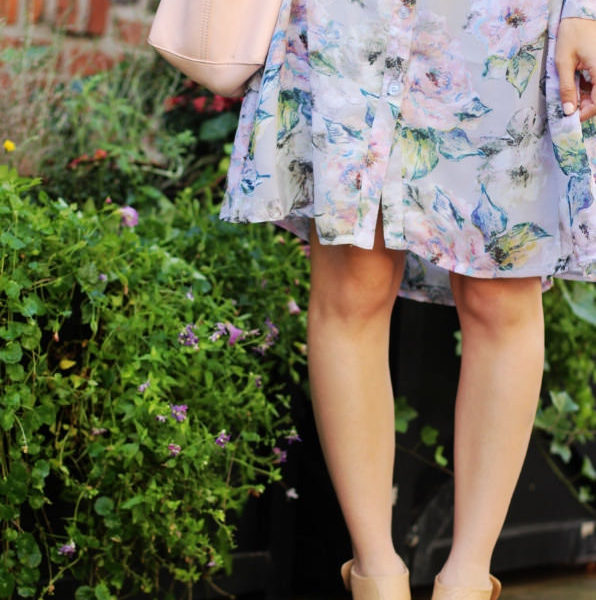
(584, 9)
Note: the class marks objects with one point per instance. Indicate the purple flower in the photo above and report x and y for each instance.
(292, 494)
(103, 277)
(220, 329)
(258, 381)
(305, 249)
(293, 308)
(98, 430)
(222, 439)
(130, 217)
(187, 337)
(174, 449)
(190, 296)
(68, 549)
(179, 411)
(211, 563)
(273, 330)
(143, 387)
(282, 455)
(293, 437)
(161, 418)
(269, 338)
(235, 334)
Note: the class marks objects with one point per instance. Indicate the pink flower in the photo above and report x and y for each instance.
(292, 494)
(505, 27)
(293, 308)
(174, 449)
(235, 334)
(282, 455)
(440, 88)
(130, 217)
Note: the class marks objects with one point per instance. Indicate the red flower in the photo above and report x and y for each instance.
(100, 154)
(219, 103)
(75, 161)
(173, 101)
(200, 103)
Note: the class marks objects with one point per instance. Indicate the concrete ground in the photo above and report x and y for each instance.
(543, 584)
(538, 584)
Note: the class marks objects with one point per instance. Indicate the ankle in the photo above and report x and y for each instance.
(379, 565)
(468, 575)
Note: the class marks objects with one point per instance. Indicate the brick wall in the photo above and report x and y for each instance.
(98, 32)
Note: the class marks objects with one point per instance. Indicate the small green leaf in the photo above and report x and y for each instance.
(32, 305)
(132, 502)
(15, 372)
(13, 242)
(104, 505)
(585, 494)
(6, 419)
(563, 451)
(26, 591)
(12, 290)
(429, 435)
(563, 403)
(588, 469)
(28, 550)
(102, 592)
(218, 128)
(6, 583)
(404, 413)
(84, 593)
(11, 353)
(41, 469)
(439, 458)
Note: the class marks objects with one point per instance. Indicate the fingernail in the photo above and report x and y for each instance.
(568, 108)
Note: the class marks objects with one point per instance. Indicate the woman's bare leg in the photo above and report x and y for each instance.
(351, 299)
(502, 362)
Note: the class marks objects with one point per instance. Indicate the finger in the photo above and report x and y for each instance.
(566, 66)
(588, 110)
(588, 103)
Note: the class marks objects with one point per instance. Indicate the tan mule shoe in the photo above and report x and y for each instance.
(387, 587)
(443, 592)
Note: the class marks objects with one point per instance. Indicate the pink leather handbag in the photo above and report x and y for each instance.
(219, 44)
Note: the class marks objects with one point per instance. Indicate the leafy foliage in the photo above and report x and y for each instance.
(141, 396)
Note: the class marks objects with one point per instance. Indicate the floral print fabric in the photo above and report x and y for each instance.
(445, 116)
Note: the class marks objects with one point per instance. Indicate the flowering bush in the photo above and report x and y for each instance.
(141, 400)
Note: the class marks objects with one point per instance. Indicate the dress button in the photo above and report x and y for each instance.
(404, 12)
(395, 88)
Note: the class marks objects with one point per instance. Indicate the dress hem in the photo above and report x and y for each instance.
(461, 268)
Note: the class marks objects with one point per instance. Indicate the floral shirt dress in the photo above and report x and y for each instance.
(445, 116)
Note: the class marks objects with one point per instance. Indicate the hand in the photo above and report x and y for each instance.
(576, 51)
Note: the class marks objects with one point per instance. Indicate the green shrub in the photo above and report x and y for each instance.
(136, 131)
(567, 413)
(122, 376)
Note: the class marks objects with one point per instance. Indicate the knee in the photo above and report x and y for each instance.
(354, 294)
(499, 305)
